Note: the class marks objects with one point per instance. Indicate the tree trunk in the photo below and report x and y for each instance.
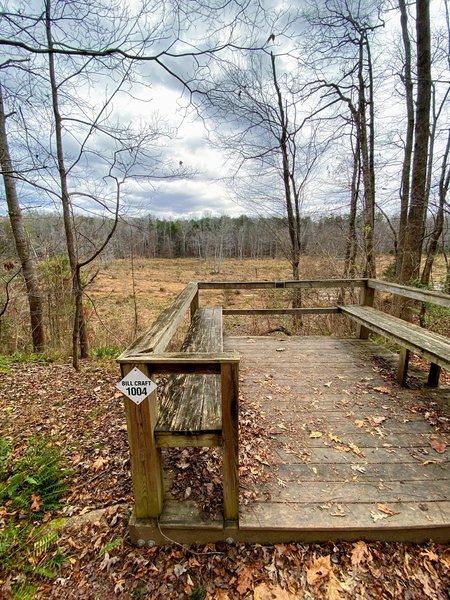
(444, 182)
(412, 250)
(21, 239)
(78, 322)
(351, 245)
(293, 217)
(367, 161)
(407, 154)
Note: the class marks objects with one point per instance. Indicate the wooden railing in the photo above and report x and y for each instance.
(149, 353)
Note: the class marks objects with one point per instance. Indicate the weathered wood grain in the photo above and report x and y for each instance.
(230, 413)
(430, 345)
(304, 284)
(190, 407)
(145, 457)
(281, 311)
(158, 336)
(366, 299)
(431, 296)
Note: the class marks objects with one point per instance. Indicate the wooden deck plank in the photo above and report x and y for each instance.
(397, 465)
(315, 491)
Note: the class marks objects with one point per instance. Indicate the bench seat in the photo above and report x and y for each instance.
(429, 345)
(190, 411)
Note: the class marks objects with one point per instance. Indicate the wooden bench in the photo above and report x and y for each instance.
(190, 412)
(199, 408)
(412, 338)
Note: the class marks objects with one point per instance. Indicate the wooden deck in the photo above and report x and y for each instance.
(353, 454)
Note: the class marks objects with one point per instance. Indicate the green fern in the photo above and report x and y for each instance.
(24, 590)
(38, 481)
(45, 542)
(5, 457)
(35, 485)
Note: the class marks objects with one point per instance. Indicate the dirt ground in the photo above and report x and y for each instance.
(82, 414)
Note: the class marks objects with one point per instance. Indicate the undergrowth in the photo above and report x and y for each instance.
(31, 488)
(25, 357)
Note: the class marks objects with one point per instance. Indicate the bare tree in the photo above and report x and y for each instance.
(20, 236)
(407, 81)
(414, 233)
(345, 30)
(273, 147)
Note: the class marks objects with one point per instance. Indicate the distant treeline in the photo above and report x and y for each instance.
(206, 237)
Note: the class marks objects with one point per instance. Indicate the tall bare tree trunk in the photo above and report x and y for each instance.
(405, 186)
(20, 238)
(351, 244)
(77, 290)
(292, 212)
(444, 182)
(412, 249)
(366, 127)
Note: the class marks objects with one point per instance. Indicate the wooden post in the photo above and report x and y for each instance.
(433, 375)
(403, 363)
(146, 467)
(194, 305)
(366, 299)
(230, 435)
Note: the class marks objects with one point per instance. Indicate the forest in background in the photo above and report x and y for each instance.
(209, 237)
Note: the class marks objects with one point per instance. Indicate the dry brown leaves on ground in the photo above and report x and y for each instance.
(83, 414)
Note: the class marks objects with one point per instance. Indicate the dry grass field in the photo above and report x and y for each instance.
(126, 298)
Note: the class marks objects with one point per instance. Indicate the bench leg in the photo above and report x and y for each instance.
(230, 433)
(362, 332)
(433, 375)
(403, 366)
(145, 457)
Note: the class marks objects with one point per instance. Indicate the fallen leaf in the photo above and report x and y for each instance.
(377, 420)
(36, 503)
(355, 449)
(320, 568)
(358, 468)
(334, 438)
(328, 384)
(360, 553)
(385, 509)
(179, 569)
(377, 516)
(359, 423)
(438, 445)
(99, 463)
(315, 434)
(245, 581)
(265, 592)
(382, 390)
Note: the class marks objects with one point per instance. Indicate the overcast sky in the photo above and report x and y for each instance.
(200, 187)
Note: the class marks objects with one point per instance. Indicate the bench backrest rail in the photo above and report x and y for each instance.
(431, 296)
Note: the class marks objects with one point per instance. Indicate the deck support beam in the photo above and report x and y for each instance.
(366, 299)
(403, 363)
(434, 375)
(145, 456)
(230, 436)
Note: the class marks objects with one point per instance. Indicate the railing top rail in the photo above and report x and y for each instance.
(431, 296)
(157, 336)
(284, 284)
